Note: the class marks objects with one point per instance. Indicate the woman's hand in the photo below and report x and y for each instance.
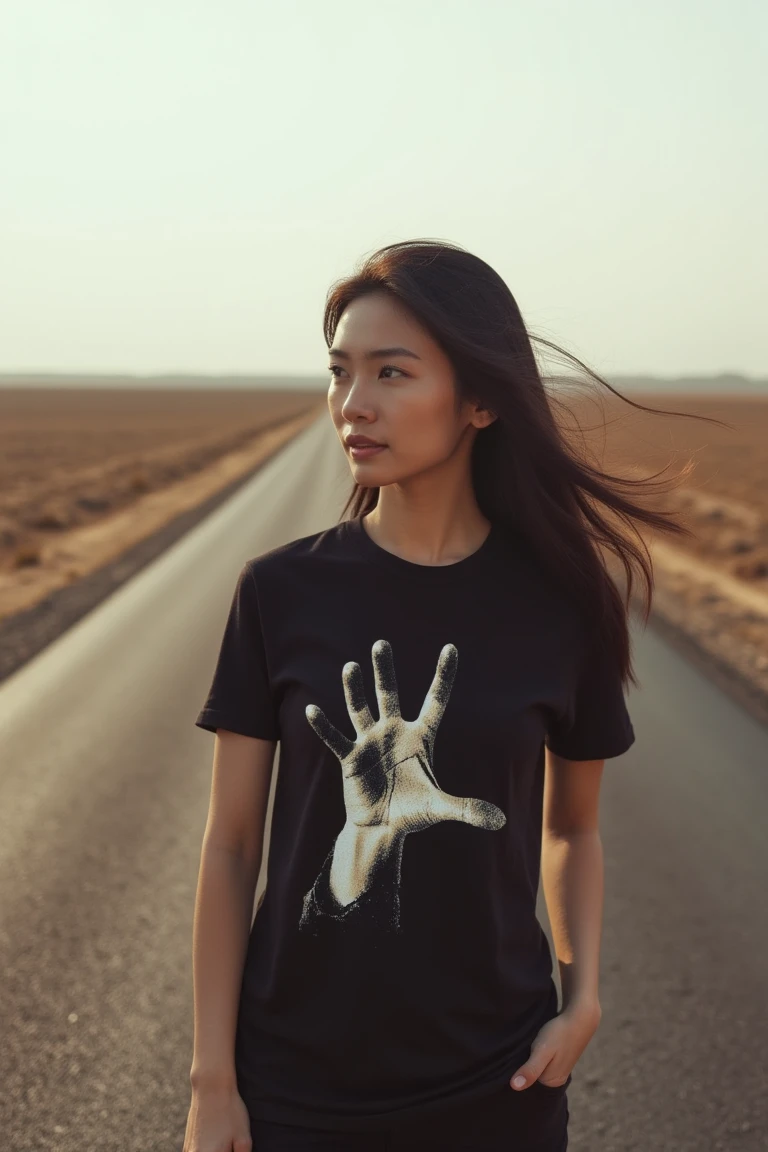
(558, 1045)
(217, 1122)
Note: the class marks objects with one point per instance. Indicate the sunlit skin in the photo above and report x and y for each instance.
(427, 510)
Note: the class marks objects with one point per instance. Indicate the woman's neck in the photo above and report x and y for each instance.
(424, 533)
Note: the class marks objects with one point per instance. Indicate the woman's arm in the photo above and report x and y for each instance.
(572, 874)
(572, 878)
(229, 869)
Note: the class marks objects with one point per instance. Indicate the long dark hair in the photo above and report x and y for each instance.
(526, 472)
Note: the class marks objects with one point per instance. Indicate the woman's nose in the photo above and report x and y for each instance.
(356, 403)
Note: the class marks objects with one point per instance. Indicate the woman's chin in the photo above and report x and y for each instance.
(369, 474)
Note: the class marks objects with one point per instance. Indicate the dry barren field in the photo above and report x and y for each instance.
(86, 474)
(725, 500)
(712, 585)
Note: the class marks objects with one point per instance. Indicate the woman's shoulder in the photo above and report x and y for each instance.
(300, 551)
(538, 578)
(518, 550)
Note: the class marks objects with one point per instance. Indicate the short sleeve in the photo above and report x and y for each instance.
(240, 697)
(598, 726)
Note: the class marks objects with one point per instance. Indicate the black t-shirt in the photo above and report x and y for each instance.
(396, 963)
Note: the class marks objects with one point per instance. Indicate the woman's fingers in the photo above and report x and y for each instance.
(331, 737)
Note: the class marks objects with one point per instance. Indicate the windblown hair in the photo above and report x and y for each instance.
(527, 472)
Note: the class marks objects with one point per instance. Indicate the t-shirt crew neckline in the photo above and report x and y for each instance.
(434, 572)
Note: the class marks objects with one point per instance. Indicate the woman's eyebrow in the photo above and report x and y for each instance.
(376, 354)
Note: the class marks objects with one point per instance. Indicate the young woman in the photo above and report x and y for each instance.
(444, 671)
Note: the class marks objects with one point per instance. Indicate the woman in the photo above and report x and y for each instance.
(444, 671)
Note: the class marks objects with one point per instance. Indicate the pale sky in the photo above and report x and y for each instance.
(182, 182)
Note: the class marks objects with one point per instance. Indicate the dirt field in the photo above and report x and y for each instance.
(725, 501)
(86, 475)
(712, 586)
(85, 472)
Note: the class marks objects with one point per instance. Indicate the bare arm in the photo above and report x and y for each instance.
(572, 874)
(229, 869)
(572, 878)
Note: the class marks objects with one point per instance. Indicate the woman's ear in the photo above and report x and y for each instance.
(483, 417)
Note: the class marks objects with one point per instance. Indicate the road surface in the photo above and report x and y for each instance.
(104, 784)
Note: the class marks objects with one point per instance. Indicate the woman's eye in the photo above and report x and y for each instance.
(386, 368)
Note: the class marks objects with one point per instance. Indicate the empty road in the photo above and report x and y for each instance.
(104, 783)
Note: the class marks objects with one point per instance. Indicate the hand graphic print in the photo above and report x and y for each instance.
(389, 784)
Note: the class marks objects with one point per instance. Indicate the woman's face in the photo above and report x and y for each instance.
(404, 398)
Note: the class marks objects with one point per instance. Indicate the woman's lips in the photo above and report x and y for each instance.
(363, 451)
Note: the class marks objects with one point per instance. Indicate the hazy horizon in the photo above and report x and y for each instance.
(728, 385)
(183, 185)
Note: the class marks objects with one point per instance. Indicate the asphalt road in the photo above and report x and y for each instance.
(104, 784)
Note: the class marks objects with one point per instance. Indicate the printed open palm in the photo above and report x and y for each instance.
(389, 786)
